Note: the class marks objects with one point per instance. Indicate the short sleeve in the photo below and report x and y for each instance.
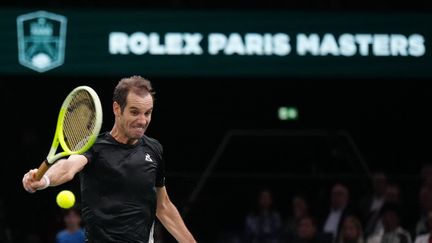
(89, 154)
(160, 171)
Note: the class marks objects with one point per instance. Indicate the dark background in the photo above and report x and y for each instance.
(346, 128)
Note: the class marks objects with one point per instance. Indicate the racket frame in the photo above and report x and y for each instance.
(52, 157)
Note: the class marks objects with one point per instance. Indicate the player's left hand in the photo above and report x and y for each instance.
(30, 183)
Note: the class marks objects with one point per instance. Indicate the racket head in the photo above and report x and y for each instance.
(78, 124)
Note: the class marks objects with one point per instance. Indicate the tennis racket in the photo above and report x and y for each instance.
(78, 125)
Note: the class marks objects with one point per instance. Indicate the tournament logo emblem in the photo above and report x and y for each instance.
(41, 40)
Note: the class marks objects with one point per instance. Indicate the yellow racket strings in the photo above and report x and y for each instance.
(80, 120)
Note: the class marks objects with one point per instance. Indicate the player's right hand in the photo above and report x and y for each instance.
(30, 183)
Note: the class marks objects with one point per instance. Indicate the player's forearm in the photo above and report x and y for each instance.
(59, 173)
(64, 170)
(173, 222)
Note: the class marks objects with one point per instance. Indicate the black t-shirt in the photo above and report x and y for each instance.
(118, 189)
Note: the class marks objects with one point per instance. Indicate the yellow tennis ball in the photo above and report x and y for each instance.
(65, 199)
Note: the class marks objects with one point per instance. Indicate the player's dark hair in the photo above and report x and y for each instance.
(136, 84)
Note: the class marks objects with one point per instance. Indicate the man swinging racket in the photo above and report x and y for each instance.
(121, 175)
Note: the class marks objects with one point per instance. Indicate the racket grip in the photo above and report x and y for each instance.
(42, 170)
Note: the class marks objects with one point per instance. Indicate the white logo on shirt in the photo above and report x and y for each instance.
(148, 158)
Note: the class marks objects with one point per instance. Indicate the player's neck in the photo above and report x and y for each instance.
(121, 137)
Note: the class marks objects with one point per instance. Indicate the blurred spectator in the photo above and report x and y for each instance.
(371, 204)
(339, 209)
(426, 237)
(425, 201)
(392, 232)
(72, 232)
(265, 224)
(307, 232)
(351, 231)
(391, 195)
(299, 209)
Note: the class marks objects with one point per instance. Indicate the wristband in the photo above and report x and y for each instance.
(47, 182)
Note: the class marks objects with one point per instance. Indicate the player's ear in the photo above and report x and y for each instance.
(116, 109)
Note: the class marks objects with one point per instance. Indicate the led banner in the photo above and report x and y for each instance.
(214, 43)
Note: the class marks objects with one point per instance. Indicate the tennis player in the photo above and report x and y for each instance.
(122, 176)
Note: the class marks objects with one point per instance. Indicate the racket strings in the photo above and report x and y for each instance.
(80, 120)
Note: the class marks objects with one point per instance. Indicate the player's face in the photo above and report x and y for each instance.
(136, 116)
